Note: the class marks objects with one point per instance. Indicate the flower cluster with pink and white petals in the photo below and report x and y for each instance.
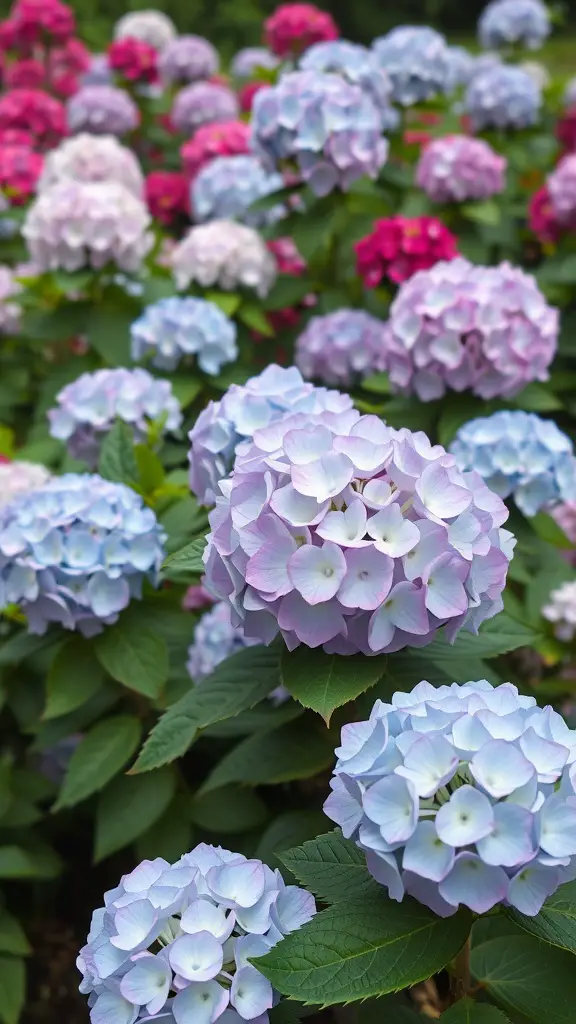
(560, 609)
(461, 794)
(205, 917)
(87, 157)
(341, 532)
(454, 168)
(20, 477)
(561, 185)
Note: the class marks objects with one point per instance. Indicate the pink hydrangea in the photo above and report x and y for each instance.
(247, 92)
(35, 111)
(133, 59)
(561, 185)
(219, 138)
(292, 28)
(455, 168)
(202, 103)
(167, 196)
(35, 21)
(400, 246)
(541, 217)
(20, 169)
(27, 73)
(338, 531)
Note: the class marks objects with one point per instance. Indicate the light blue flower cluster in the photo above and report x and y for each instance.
(507, 22)
(417, 61)
(172, 329)
(205, 917)
(88, 407)
(461, 794)
(227, 187)
(503, 96)
(215, 638)
(521, 454)
(247, 62)
(357, 64)
(462, 66)
(76, 552)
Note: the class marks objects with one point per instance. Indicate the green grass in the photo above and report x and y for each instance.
(558, 54)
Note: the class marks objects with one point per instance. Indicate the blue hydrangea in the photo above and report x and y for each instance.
(503, 96)
(76, 552)
(175, 328)
(417, 61)
(358, 65)
(215, 638)
(506, 22)
(249, 61)
(227, 187)
(518, 453)
(462, 66)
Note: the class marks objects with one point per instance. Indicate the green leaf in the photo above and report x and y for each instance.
(66, 321)
(128, 807)
(134, 656)
(230, 809)
(325, 682)
(117, 459)
(333, 868)
(292, 752)
(12, 936)
(255, 319)
(467, 1011)
(288, 291)
(227, 301)
(170, 836)
(379, 383)
(485, 212)
(287, 830)
(150, 469)
(537, 398)
(527, 977)
(497, 636)
(23, 645)
(556, 922)
(73, 678)
(188, 560)
(236, 684)
(20, 862)
(108, 331)
(186, 389)
(364, 947)
(103, 752)
(548, 530)
(396, 1009)
(12, 988)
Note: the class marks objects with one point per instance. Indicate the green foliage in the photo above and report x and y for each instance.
(134, 656)
(325, 682)
(103, 752)
(12, 988)
(521, 974)
(467, 1011)
(74, 677)
(128, 807)
(556, 922)
(333, 868)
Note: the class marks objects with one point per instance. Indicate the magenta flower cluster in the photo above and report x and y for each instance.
(455, 168)
(341, 347)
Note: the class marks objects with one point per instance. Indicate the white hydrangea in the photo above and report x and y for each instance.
(87, 157)
(9, 306)
(224, 254)
(152, 27)
(19, 478)
(561, 610)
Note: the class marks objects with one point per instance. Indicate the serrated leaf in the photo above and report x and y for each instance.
(279, 755)
(255, 319)
(230, 809)
(187, 560)
(556, 922)
(12, 936)
(117, 459)
(468, 1011)
(497, 636)
(12, 988)
(103, 752)
(73, 678)
(134, 656)
(128, 807)
(520, 974)
(285, 832)
(325, 682)
(333, 868)
(364, 947)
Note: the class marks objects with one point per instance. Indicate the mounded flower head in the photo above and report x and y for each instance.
(326, 128)
(20, 169)
(357, 64)
(187, 59)
(503, 96)
(248, 61)
(152, 27)
(18, 478)
(102, 110)
(460, 794)
(542, 219)
(504, 23)
(215, 638)
(98, 72)
(167, 196)
(245, 408)
(224, 254)
(229, 185)
(76, 552)
(341, 532)
(220, 138)
(292, 28)
(175, 328)
(465, 327)
(88, 407)
(34, 111)
(455, 168)
(538, 71)
(179, 938)
(37, 21)
(518, 453)
(462, 66)
(77, 224)
(134, 60)
(341, 347)
(417, 62)
(88, 157)
(561, 185)
(560, 609)
(400, 246)
(201, 103)
(10, 310)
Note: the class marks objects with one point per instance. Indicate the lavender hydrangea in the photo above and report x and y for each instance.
(76, 552)
(224, 254)
(570, 93)
(455, 168)
(99, 72)
(357, 64)
(340, 348)
(247, 62)
(173, 329)
(227, 187)
(341, 532)
(506, 23)
(460, 326)
(187, 59)
(325, 127)
(518, 453)
(560, 609)
(10, 309)
(417, 61)
(102, 110)
(460, 795)
(88, 407)
(462, 66)
(152, 27)
(202, 103)
(77, 224)
(561, 184)
(19, 478)
(244, 409)
(87, 157)
(215, 638)
(503, 96)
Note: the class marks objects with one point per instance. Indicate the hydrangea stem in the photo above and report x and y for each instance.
(461, 981)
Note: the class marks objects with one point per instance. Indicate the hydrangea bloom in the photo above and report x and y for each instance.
(172, 329)
(201, 103)
(519, 453)
(220, 138)
(134, 60)
(542, 219)
(20, 169)
(167, 195)
(503, 96)
(400, 246)
(20, 477)
(341, 347)
(292, 28)
(196, 598)
(37, 21)
(187, 59)
(215, 638)
(565, 130)
(570, 93)
(561, 184)
(417, 62)
(210, 907)
(33, 111)
(247, 92)
(88, 407)
(357, 64)
(228, 186)
(462, 66)
(452, 793)
(507, 22)
(460, 326)
(344, 533)
(76, 552)
(99, 72)
(222, 426)
(538, 72)
(87, 157)
(10, 310)
(565, 516)
(225, 254)
(561, 610)
(27, 73)
(248, 61)
(455, 168)
(102, 110)
(329, 129)
(152, 27)
(77, 224)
